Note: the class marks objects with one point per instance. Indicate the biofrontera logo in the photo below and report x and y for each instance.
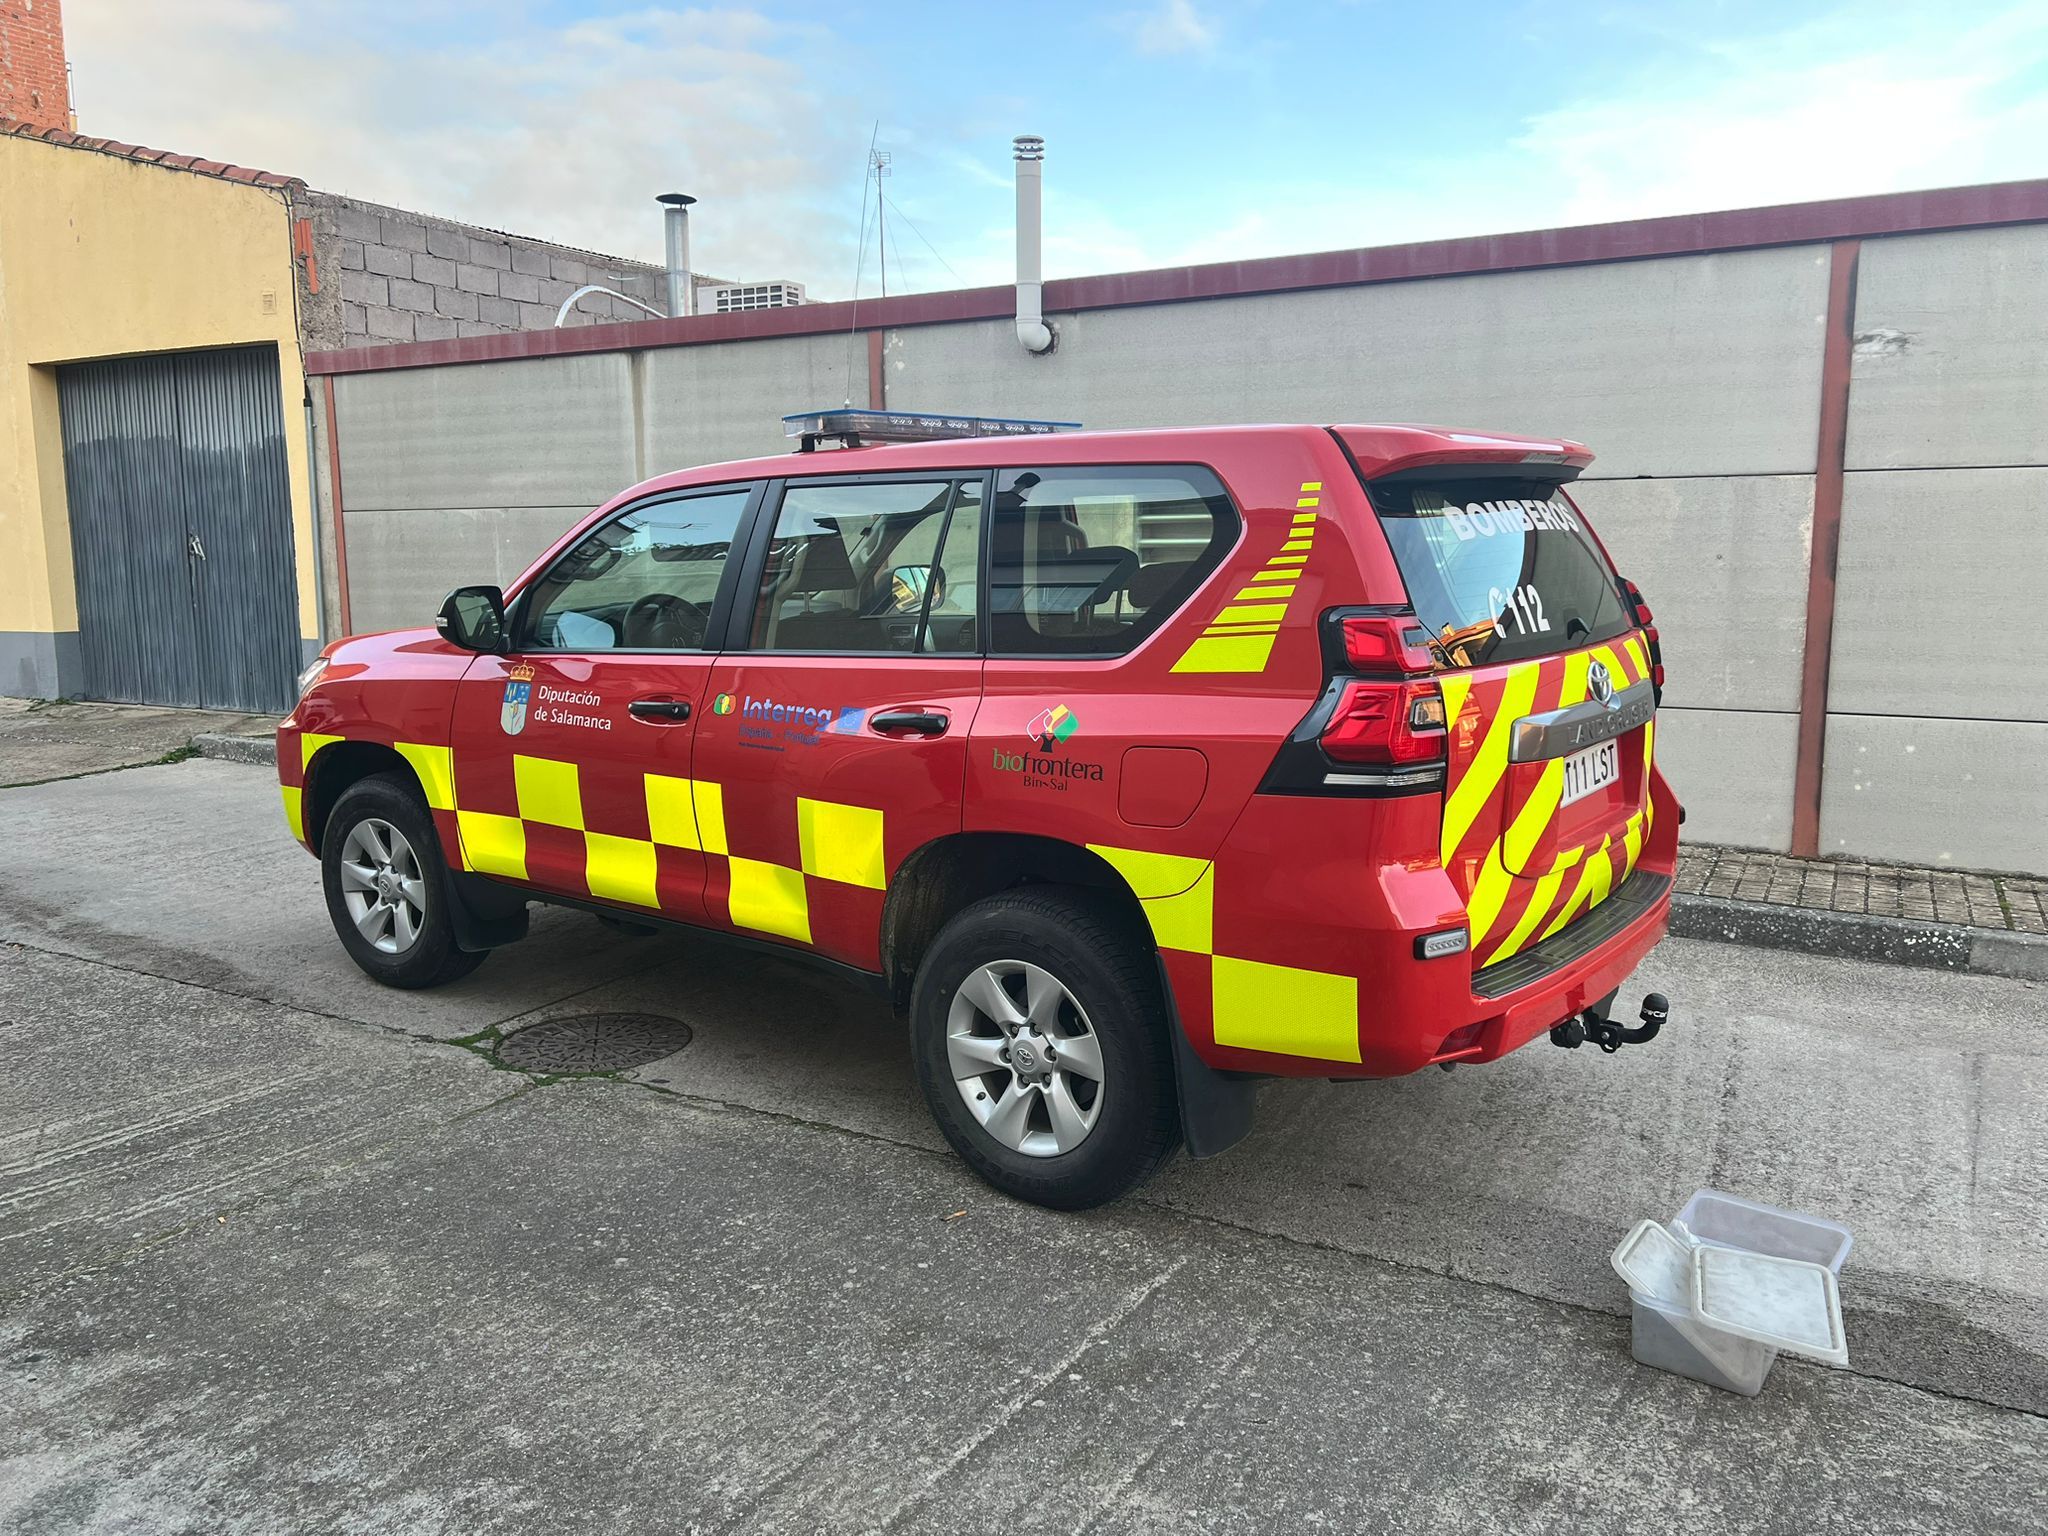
(722, 705)
(1053, 726)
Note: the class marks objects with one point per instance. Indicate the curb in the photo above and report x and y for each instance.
(236, 749)
(1857, 936)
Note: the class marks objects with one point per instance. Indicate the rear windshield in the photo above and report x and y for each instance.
(1499, 569)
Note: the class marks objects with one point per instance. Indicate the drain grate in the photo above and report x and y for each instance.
(593, 1042)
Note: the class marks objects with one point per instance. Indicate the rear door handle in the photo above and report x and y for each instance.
(659, 709)
(908, 722)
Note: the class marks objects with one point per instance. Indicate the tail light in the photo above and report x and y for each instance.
(1387, 722)
(1640, 612)
(1379, 726)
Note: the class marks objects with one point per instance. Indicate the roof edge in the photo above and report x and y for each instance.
(1891, 213)
(220, 170)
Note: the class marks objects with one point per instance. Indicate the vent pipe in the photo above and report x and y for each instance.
(681, 290)
(1032, 331)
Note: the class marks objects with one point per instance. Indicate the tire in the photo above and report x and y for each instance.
(416, 948)
(1111, 988)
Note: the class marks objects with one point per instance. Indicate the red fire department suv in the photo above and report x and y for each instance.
(1135, 766)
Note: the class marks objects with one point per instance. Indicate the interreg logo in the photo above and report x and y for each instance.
(1053, 726)
(800, 717)
(518, 689)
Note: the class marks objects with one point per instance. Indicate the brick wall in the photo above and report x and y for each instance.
(33, 87)
(386, 275)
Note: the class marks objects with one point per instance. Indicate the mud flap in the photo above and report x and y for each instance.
(484, 914)
(1215, 1107)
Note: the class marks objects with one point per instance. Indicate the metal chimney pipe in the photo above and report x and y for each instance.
(1033, 334)
(676, 215)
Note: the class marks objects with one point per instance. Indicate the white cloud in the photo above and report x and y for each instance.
(562, 132)
(1171, 27)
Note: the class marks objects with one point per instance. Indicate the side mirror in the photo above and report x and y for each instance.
(474, 618)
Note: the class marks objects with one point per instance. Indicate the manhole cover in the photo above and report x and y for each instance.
(593, 1042)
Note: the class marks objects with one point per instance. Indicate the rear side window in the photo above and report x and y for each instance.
(1089, 561)
(1499, 570)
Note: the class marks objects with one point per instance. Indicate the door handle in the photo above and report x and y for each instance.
(658, 709)
(908, 722)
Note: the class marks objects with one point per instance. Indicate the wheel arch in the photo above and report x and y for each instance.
(340, 764)
(951, 873)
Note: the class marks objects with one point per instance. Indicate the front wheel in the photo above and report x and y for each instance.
(387, 889)
(1040, 1040)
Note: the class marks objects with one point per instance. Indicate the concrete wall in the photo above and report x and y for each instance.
(388, 275)
(1697, 379)
(77, 283)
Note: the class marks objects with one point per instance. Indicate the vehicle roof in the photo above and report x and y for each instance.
(1377, 447)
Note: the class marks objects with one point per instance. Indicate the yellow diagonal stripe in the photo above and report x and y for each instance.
(1533, 819)
(1489, 895)
(1483, 775)
(1546, 893)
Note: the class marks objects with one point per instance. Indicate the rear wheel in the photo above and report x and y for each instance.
(387, 887)
(1040, 1040)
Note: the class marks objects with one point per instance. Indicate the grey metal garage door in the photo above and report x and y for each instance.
(181, 529)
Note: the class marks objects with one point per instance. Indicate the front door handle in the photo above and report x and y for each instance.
(908, 722)
(658, 709)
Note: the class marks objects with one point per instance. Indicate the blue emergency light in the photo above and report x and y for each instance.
(853, 427)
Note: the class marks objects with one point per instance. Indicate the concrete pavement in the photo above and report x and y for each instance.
(43, 739)
(723, 1293)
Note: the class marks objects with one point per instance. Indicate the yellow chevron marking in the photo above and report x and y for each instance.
(1519, 845)
(1567, 859)
(1260, 594)
(1637, 654)
(1476, 788)
(1277, 576)
(1311, 485)
(1310, 501)
(1489, 895)
(1579, 893)
(1539, 904)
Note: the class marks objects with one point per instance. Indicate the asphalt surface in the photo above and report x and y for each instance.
(43, 739)
(278, 1252)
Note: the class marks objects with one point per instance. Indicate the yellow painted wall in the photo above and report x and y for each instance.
(104, 257)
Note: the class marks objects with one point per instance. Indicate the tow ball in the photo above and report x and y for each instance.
(1607, 1034)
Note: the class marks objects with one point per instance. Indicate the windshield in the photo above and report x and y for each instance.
(1499, 569)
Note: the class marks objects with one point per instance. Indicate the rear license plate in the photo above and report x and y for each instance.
(1595, 768)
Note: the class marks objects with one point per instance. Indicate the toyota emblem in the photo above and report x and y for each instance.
(1600, 684)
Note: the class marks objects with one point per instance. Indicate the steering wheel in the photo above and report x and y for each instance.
(662, 621)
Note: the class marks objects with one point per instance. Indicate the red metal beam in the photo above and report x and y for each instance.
(1848, 218)
(340, 532)
(1827, 540)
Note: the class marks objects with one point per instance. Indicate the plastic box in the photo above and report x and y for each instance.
(1669, 1335)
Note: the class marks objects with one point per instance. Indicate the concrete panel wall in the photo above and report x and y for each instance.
(1732, 771)
(1961, 792)
(708, 404)
(1722, 564)
(1705, 365)
(402, 563)
(1951, 331)
(1939, 597)
(558, 431)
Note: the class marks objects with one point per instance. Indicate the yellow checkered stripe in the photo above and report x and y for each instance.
(1240, 638)
(837, 842)
(1254, 1005)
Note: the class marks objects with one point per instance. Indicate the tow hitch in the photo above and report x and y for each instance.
(1608, 1035)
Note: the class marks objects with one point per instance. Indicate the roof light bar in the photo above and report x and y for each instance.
(853, 427)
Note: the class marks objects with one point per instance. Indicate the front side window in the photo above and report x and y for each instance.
(872, 566)
(1088, 561)
(1500, 570)
(644, 581)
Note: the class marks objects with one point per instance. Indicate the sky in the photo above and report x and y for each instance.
(1177, 131)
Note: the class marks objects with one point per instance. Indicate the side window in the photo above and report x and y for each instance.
(872, 566)
(644, 581)
(1088, 561)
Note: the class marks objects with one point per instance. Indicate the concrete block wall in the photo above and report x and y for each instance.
(386, 275)
(1697, 380)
